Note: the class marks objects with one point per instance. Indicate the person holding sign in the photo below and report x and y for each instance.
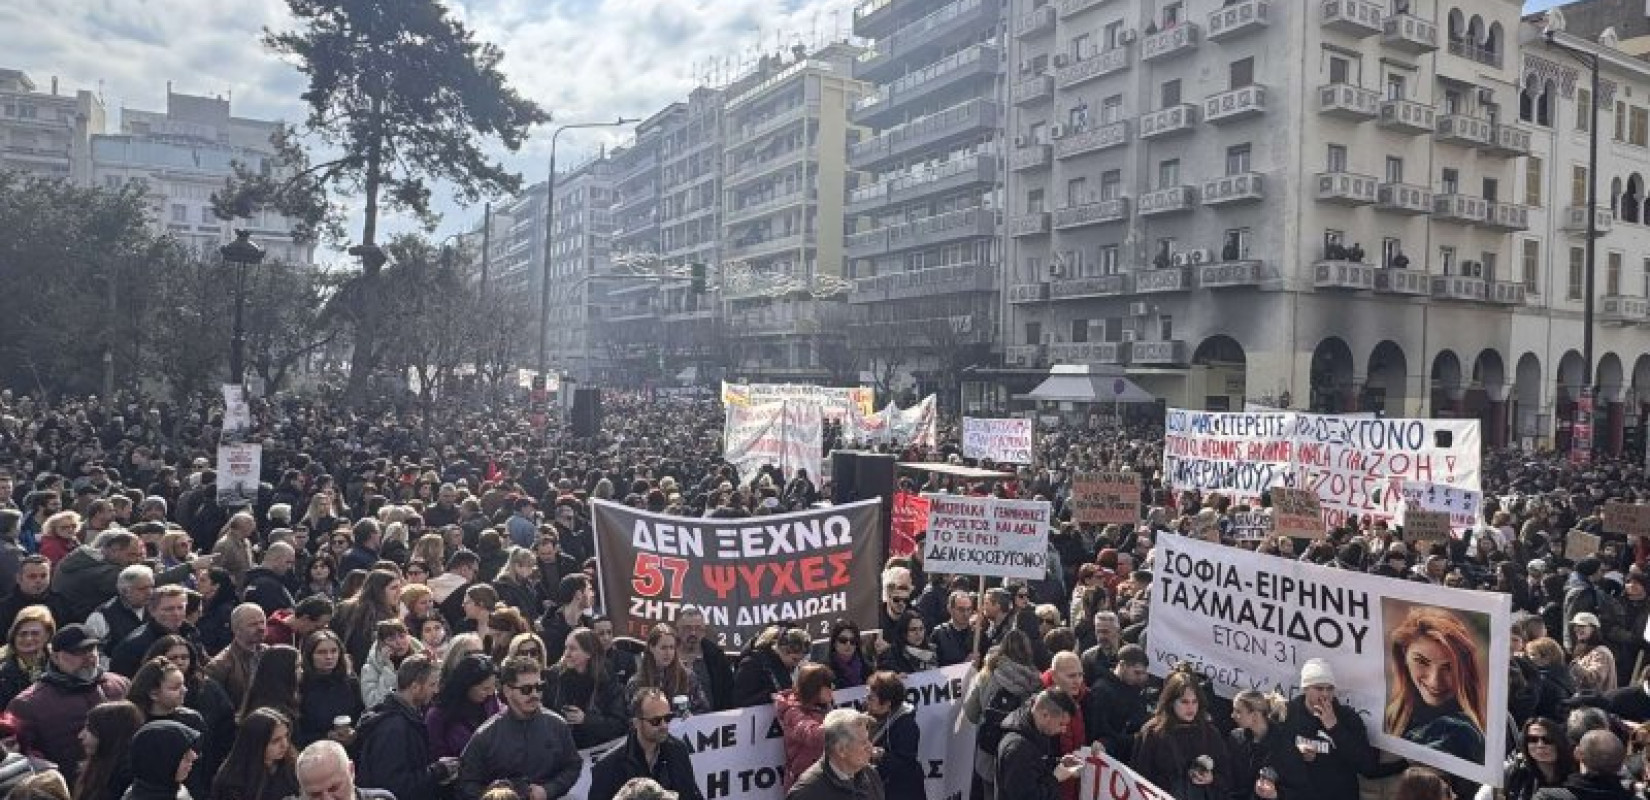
(1329, 736)
(1180, 750)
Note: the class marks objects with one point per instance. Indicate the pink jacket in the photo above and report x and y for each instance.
(804, 734)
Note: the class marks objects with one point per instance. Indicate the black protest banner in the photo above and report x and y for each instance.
(811, 567)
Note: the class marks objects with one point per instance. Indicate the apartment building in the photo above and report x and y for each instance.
(581, 242)
(923, 248)
(44, 133)
(785, 138)
(690, 210)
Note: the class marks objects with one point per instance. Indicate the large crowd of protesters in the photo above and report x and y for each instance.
(410, 610)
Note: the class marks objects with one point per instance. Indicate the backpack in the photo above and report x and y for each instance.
(990, 732)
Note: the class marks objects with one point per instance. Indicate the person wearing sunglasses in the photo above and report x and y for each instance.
(1544, 759)
(649, 751)
(528, 746)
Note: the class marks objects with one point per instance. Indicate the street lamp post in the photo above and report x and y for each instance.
(550, 235)
(243, 253)
(1581, 447)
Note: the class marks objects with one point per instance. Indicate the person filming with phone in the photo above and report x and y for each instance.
(1029, 764)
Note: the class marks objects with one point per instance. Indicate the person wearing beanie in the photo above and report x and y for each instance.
(168, 750)
(1328, 735)
(1581, 594)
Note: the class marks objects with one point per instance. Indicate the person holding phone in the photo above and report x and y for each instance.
(1180, 749)
(1329, 736)
(1028, 762)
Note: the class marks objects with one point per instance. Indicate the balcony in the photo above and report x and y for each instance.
(1240, 188)
(1507, 217)
(951, 175)
(925, 133)
(882, 108)
(1023, 355)
(1098, 65)
(1168, 279)
(1236, 104)
(911, 284)
(928, 231)
(1343, 275)
(1170, 200)
(1457, 207)
(1408, 282)
(1164, 45)
(1245, 273)
(1575, 220)
(1168, 121)
(1070, 8)
(1614, 309)
(1092, 140)
(1407, 116)
(1096, 213)
(1510, 141)
(1085, 353)
(1347, 188)
(1472, 52)
(1346, 101)
(1168, 351)
(1403, 198)
(1506, 293)
(1464, 130)
(1028, 293)
(1459, 287)
(768, 205)
(926, 39)
(1033, 90)
(1236, 19)
(757, 248)
(1355, 18)
(1034, 223)
(1032, 157)
(1035, 22)
(1409, 33)
(1094, 286)
(873, 17)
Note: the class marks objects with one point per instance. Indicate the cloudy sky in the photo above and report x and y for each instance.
(581, 59)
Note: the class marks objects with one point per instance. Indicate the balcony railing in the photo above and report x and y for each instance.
(1348, 275)
(1027, 293)
(1459, 287)
(980, 59)
(1235, 19)
(1035, 22)
(1464, 130)
(954, 173)
(1172, 351)
(925, 282)
(1094, 139)
(926, 130)
(1457, 207)
(1169, 279)
(1575, 220)
(1409, 33)
(1403, 198)
(1510, 140)
(1034, 223)
(923, 232)
(1071, 7)
(1235, 104)
(1507, 217)
(1168, 121)
(1506, 293)
(1235, 274)
(1348, 102)
(1614, 309)
(1034, 89)
(1407, 116)
(1169, 200)
(1031, 157)
(1096, 213)
(1091, 286)
(936, 26)
(1410, 282)
(1239, 188)
(1023, 355)
(1167, 44)
(1356, 18)
(1473, 52)
(1347, 188)
(1086, 353)
(1098, 65)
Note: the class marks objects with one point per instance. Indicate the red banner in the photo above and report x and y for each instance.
(910, 517)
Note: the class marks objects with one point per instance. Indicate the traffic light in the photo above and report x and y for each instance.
(698, 277)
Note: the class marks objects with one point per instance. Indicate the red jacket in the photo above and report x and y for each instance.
(1074, 736)
(279, 629)
(804, 734)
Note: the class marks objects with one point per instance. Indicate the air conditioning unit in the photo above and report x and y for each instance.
(1181, 259)
(1020, 141)
(1061, 59)
(1201, 255)
(1486, 96)
(1129, 336)
(1056, 131)
(1056, 269)
(1139, 309)
(1128, 36)
(1097, 330)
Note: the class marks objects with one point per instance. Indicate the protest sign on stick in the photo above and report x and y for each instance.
(1295, 512)
(1580, 544)
(1626, 518)
(1105, 498)
(987, 536)
(1006, 441)
(1426, 526)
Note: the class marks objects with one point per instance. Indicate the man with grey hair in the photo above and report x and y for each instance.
(152, 509)
(326, 773)
(87, 577)
(116, 618)
(1108, 636)
(643, 789)
(266, 584)
(1585, 720)
(232, 667)
(844, 771)
(1600, 755)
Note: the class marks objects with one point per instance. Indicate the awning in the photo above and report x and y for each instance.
(1080, 388)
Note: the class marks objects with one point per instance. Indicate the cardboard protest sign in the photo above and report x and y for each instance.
(1250, 621)
(811, 567)
(1464, 506)
(1580, 544)
(1426, 526)
(1295, 512)
(986, 536)
(1251, 525)
(1105, 498)
(239, 469)
(1626, 518)
(1006, 441)
(910, 518)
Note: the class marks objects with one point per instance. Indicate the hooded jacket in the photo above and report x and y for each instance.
(1026, 759)
(395, 753)
(266, 589)
(53, 710)
(163, 745)
(1008, 676)
(899, 737)
(1343, 752)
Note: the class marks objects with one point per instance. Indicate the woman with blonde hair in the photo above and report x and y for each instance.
(1437, 699)
(1179, 749)
(59, 536)
(432, 550)
(23, 658)
(1264, 763)
(417, 602)
(517, 582)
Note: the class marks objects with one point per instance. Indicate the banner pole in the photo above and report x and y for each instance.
(979, 630)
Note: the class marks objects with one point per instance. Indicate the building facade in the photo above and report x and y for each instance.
(581, 245)
(46, 134)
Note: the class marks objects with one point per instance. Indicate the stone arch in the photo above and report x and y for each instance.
(1227, 367)
(1488, 394)
(1609, 378)
(1570, 371)
(1445, 382)
(1475, 30)
(1609, 408)
(1494, 38)
(1641, 378)
(1631, 198)
(1544, 105)
(1387, 386)
(1526, 98)
(1457, 25)
(1526, 400)
(1615, 196)
(1332, 376)
(1488, 369)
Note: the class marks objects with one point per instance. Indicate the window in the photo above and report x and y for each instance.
(1034, 333)
(1638, 126)
(1578, 268)
(1111, 184)
(1391, 249)
(206, 216)
(180, 212)
(1446, 259)
(1492, 190)
(1111, 109)
(1077, 191)
(1336, 162)
(1584, 110)
(1079, 330)
(1168, 173)
(1165, 327)
(1082, 46)
(1078, 119)
(1394, 169)
(1486, 266)
(1452, 102)
(1395, 87)
(1332, 238)
(1532, 181)
(1037, 132)
(1612, 274)
(1451, 181)
(1578, 186)
(1241, 74)
(1111, 36)
(1110, 259)
(1169, 94)
(1621, 120)
(1532, 266)
(1171, 15)
(1034, 201)
(1644, 269)
(1234, 245)
(1340, 70)
(1237, 159)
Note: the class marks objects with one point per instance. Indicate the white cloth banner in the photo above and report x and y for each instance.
(835, 402)
(1356, 465)
(1425, 666)
(239, 467)
(986, 536)
(237, 415)
(1464, 506)
(1106, 778)
(1006, 441)
(914, 426)
(740, 755)
(786, 435)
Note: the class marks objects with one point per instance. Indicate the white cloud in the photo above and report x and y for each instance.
(581, 59)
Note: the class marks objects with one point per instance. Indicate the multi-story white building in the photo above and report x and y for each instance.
(47, 134)
(924, 246)
(581, 244)
(183, 156)
(690, 221)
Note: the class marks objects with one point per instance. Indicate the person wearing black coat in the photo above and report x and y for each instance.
(599, 699)
(324, 697)
(1258, 742)
(394, 744)
(1341, 749)
(1029, 765)
(649, 751)
(166, 747)
(1117, 705)
(766, 670)
(897, 734)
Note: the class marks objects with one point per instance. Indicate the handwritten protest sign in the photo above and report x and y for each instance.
(986, 536)
(1251, 525)
(1464, 507)
(1006, 441)
(1580, 544)
(1626, 518)
(1426, 526)
(1105, 498)
(1295, 512)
